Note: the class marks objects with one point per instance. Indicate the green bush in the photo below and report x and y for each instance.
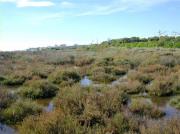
(82, 61)
(5, 99)
(51, 123)
(119, 124)
(65, 77)
(132, 87)
(166, 126)
(38, 89)
(2, 78)
(102, 74)
(90, 106)
(162, 86)
(106, 61)
(175, 102)
(176, 86)
(119, 71)
(168, 61)
(40, 74)
(152, 68)
(128, 62)
(103, 77)
(71, 100)
(19, 110)
(142, 77)
(60, 59)
(13, 80)
(145, 107)
(112, 101)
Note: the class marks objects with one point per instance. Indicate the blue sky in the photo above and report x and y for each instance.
(34, 23)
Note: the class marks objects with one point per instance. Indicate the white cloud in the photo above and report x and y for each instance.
(48, 17)
(103, 10)
(122, 5)
(94, 7)
(7, 0)
(30, 3)
(66, 4)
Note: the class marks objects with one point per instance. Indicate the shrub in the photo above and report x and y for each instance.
(82, 61)
(71, 100)
(89, 106)
(103, 77)
(145, 107)
(112, 101)
(134, 124)
(128, 62)
(166, 126)
(65, 77)
(2, 78)
(162, 86)
(132, 87)
(5, 99)
(175, 102)
(176, 86)
(152, 68)
(38, 89)
(140, 106)
(103, 105)
(142, 77)
(106, 61)
(119, 124)
(13, 80)
(60, 59)
(40, 74)
(91, 116)
(168, 61)
(51, 123)
(19, 110)
(102, 74)
(119, 71)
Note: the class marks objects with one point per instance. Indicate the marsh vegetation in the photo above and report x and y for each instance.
(96, 89)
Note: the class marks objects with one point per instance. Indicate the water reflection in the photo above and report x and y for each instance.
(47, 103)
(4, 129)
(121, 80)
(50, 107)
(85, 82)
(171, 111)
(163, 102)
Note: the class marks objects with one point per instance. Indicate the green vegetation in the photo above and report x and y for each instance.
(163, 85)
(5, 99)
(82, 111)
(145, 107)
(163, 41)
(132, 87)
(18, 111)
(175, 102)
(170, 126)
(12, 80)
(65, 77)
(38, 89)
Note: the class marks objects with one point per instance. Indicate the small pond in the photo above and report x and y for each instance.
(162, 103)
(47, 103)
(4, 129)
(85, 82)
